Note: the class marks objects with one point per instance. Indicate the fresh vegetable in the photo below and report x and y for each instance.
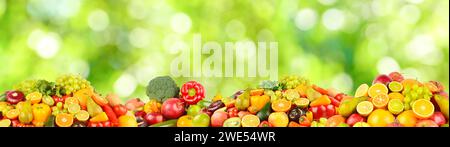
(322, 111)
(193, 110)
(120, 110)
(215, 106)
(153, 118)
(127, 121)
(168, 123)
(113, 99)
(295, 114)
(304, 121)
(264, 113)
(50, 121)
(41, 112)
(192, 92)
(162, 88)
(111, 115)
(101, 101)
(152, 106)
(233, 112)
(13, 97)
(257, 103)
(265, 124)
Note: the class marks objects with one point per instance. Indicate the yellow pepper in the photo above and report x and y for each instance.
(41, 112)
(257, 103)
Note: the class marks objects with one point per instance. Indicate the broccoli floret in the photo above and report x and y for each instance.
(162, 88)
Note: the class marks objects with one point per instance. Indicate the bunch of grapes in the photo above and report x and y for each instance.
(291, 82)
(71, 83)
(27, 86)
(415, 92)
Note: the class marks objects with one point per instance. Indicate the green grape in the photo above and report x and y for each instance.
(72, 83)
(59, 105)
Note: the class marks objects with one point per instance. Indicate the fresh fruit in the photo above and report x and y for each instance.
(281, 105)
(102, 117)
(168, 123)
(218, 118)
(201, 120)
(14, 97)
(12, 114)
(120, 110)
(364, 108)
(185, 121)
(73, 108)
(354, 118)
(243, 101)
(250, 121)
(407, 118)
(380, 101)
(243, 113)
(383, 79)
(152, 106)
(291, 94)
(423, 108)
(361, 124)
(409, 83)
(323, 111)
(101, 101)
(301, 102)
(443, 103)
(396, 76)
(34, 97)
(438, 118)
(415, 92)
(395, 106)
(304, 121)
(192, 92)
(193, 110)
(293, 81)
(295, 114)
(335, 120)
(293, 124)
(113, 99)
(377, 89)
(257, 103)
(232, 122)
(215, 106)
(5, 123)
(348, 106)
(426, 123)
(71, 83)
(380, 118)
(312, 94)
(278, 119)
(233, 112)
(127, 121)
(82, 95)
(162, 88)
(396, 95)
(41, 112)
(256, 92)
(26, 113)
(134, 104)
(172, 108)
(64, 120)
(362, 90)
(153, 118)
(395, 86)
(93, 108)
(323, 100)
(48, 100)
(82, 115)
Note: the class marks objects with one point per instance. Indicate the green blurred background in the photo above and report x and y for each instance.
(120, 45)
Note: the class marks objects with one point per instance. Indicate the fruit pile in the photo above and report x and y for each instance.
(292, 101)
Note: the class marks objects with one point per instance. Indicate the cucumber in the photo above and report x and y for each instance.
(264, 113)
(50, 121)
(169, 123)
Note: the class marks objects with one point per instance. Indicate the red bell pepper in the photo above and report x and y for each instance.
(323, 111)
(120, 110)
(320, 90)
(265, 124)
(304, 121)
(192, 92)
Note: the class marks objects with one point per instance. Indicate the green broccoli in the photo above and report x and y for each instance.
(162, 88)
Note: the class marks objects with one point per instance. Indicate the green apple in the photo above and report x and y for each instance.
(193, 110)
(201, 120)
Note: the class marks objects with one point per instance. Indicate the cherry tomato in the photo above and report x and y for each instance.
(120, 110)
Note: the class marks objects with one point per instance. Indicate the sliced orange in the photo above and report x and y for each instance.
(423, 108)
(250, 121)
(71, 100)
(323, 100)
(377, 89)
(64, 120)
(362, 90)
(364, 108)
(34, 97)
(380, 101)
(281, 105)
(12, 114)
(82, 95)
(396, 95)
(410, 83)
(395, 86)
(301, 102)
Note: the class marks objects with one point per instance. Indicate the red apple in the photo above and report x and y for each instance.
(438, 118)
(383, 79)
(396, 76)
(354, 118)
(394, 124)
(218, 118)
(153, 118)
(172, 108)
(426, 123)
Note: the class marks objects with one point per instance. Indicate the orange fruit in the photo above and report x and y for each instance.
(127, 121)
(34, 97)
(380, 101)
(250, 121)
(82, 95)
(335, 121)
(278, 119)
(364, 108)
(377, 89)
(407, 119)
(423, 108)
(64, 120)
(362, 90)
(380, 118)
(410, 83)
(12, 114)
(301, 102)
(396, 95)
(323, 100)
(281, 105)
(71, 100)
(82, 115)
(185, 121)
(395, 86)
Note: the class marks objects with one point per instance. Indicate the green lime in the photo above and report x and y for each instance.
(395, 86)
(82, 115)
(301, 102)
(73, 108)
(396, 106)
